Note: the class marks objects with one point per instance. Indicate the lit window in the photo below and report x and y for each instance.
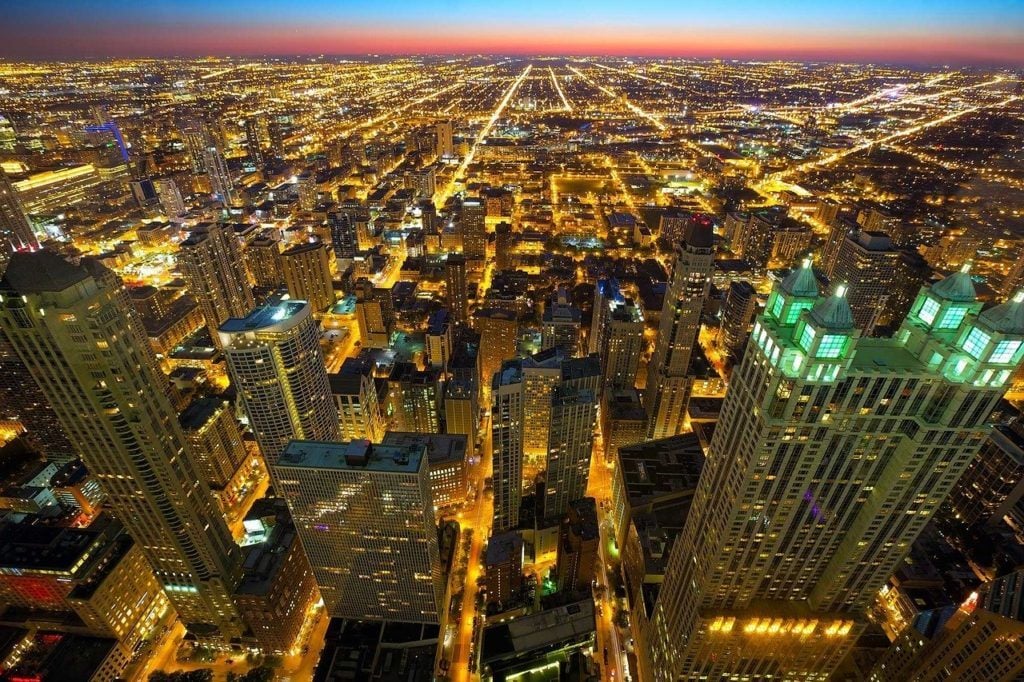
(975, 342)
(777, 306)
(953, 317)
(794, 311)
(1004, 352)
(831, 346)
(928, 310)
(807, 337)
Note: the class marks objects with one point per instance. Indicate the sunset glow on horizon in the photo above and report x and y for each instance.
(915, 32)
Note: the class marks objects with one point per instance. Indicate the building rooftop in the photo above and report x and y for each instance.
(665, 468)
(357, 455)
(199, 412)
(440, 447)
(275, 317)
(36, 272)
(549, 628)
(502, 547)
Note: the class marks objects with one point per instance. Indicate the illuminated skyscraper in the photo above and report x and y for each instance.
(444, 144)
(541, 406)
(365, 514)
(76, 331)
(456, 286)
(307, 274)
(867, 264)
(276, 366)
(211, 262)
(561, 323)
(570, 442)
(668, 386)
(355, 396)
(253, 145)
(472, 222)
(344, 238)
(15, 227)
(375, 314)
(737, 315)
(220, 177)
(832, 453)
(169, 196)
(617, 334)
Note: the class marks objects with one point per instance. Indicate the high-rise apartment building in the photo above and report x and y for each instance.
(375, 314)
(76, 331)
(867, 264)
(526, 420)
(456, 287)
(263, 257)
(462, 410)
(253, 145)
(832, 453)
(414, 398)
(440, 339)
(668, 383)
(211, 262)
(277, 368)
(499, 337)
(210, 426)
(994, 482)
(444, 144)
(737, 316)
(169, 196)
(355, 397)
(15, 227)
(307, 274)
(365, 516)
(344, 238)
(617, 335)
(472, 223)
(570, 442)
(561, 323)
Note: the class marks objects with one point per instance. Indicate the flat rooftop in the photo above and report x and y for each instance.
(661, 468)
(265, 317)
(352, 456)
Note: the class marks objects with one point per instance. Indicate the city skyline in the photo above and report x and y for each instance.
(921, 33)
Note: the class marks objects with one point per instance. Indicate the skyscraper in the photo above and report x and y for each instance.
(375, 314)
(355, 397)
(867, 264)
(561, 323)
(832, 453)
(472, 223)
(253, 145)
(75, 329)
(414, 398)
(344, 239)
(211, 262)
(444, 145)
(668, 386)
(273, 355)
(737, 315)
(365, 515)
(220, 177)
(307, 274)
(169, 196)
(570, 442)
(617, 334)
(455, 281)
(527, 421)
(15, 227)
(499, 336)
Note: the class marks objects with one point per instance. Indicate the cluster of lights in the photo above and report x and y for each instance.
(781, 626)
